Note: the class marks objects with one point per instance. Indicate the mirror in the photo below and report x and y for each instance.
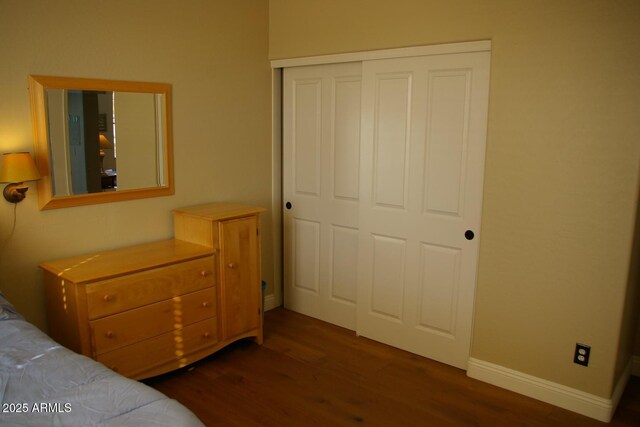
(99, 141)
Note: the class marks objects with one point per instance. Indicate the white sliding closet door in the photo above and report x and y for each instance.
(423, 144)
(321, 156)
(383, 166)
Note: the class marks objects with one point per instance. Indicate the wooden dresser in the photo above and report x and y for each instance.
(148, 309)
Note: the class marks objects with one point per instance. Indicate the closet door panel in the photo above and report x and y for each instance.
(307, 136)
(346, 138)
(391, 139)
(422, 165)
(321, 183)
(383, 175)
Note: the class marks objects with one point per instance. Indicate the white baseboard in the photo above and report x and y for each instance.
(270, 302)
(556, 394)
(635, 366)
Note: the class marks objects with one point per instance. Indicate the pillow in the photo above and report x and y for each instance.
(7, 310)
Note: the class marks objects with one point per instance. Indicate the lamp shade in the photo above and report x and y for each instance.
(105, 143)
(18, 167)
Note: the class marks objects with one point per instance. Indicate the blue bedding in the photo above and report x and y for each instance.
(45, 384)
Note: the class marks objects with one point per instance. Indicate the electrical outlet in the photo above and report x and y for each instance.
(581, 356)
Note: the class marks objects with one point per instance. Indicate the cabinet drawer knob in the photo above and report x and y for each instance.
(107, 298)
(204, 273)
(206, 335)
(205, 304)
(232, 265)
(109, 334)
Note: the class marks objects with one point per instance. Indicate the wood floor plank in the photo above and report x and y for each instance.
(310, 373)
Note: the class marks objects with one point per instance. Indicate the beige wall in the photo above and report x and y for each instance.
(630, 331)
(562, 162)
(214, 53)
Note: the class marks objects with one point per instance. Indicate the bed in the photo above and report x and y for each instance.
(45, 384)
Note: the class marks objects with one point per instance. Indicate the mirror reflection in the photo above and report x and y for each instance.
(99, 141)
(104, 140)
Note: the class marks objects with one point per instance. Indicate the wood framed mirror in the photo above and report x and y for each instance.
(100, 141)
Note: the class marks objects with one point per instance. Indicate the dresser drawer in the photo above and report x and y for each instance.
(118, 330)
(171, 347)
(135, 290)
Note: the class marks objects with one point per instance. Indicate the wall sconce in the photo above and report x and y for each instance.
(16, 169)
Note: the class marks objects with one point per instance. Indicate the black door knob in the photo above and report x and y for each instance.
(288, 205)
(469, 235)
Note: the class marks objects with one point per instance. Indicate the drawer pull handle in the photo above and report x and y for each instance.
(107, 298)
(204, 273)
(205, 304)
(206, 335)
(109, 334)
(232, 265)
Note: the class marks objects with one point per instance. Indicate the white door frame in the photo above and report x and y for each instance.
(276, 299)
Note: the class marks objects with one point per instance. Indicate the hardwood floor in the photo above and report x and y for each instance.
(310, 373)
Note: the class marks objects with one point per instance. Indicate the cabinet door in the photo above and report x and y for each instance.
(240, 276)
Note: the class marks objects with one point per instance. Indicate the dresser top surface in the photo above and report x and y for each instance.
(219, 211)
(118, 262)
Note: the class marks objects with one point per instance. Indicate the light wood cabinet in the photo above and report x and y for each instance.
(148, 309)
(134, 308)
(233, 231)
